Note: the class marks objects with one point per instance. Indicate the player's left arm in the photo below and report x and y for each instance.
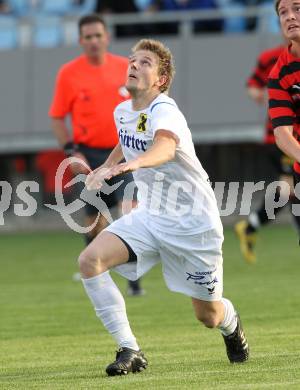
(162, 151)
(282, 114)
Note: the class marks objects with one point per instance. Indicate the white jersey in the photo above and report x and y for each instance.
(177, 194)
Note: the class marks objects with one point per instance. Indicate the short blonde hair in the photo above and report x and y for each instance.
(166, 65)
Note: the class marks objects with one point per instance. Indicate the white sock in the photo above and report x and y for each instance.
(229, 322)
(110, 308)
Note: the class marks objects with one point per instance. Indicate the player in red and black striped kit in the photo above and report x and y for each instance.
(256, 89)
(284, 85)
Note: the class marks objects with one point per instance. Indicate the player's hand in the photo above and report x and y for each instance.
(258, 95)
(95, 179)
(125, 167)
(77, 167)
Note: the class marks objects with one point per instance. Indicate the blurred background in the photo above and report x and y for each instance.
(215, 44)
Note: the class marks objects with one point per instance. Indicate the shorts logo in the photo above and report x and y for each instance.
(141, 125)
(295, 92)
(198, 277)
(194, 277)
(211, 290)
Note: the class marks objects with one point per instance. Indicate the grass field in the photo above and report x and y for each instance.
(51, 339)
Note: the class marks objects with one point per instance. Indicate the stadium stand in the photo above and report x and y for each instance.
(232, 24)
(48, 31)
(81, 7)
(56, 7)
(268, 19)
(20, 8)
(8, 32)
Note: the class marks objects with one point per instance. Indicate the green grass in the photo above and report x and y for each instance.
(51, 339)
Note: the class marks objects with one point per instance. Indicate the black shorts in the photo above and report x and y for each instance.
(96, 157)
(281, 163)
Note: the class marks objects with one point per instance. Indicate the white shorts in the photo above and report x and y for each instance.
(191, 264)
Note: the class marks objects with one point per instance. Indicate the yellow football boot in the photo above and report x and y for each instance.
(247, 241)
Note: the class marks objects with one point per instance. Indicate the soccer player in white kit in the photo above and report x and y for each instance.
(176, 222)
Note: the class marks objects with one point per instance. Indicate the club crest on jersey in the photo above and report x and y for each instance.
(296, 92)
(141, 125)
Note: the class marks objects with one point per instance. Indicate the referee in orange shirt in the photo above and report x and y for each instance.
(88, 88)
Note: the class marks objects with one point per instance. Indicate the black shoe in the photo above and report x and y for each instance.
(127, 360)
(134, 288)
(131, 292)
(236, 344)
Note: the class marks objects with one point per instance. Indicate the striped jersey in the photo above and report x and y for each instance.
(284, 94)
(259, 79)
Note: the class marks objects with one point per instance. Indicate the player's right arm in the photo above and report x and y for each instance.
(282, 114)
(286, 141)
(60, 131)
(95, 179)
(62, 135)
(115, 157)
(60, 108)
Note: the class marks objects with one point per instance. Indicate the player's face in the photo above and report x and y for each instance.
(94, 40)
(142, 74)
(289, 16)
